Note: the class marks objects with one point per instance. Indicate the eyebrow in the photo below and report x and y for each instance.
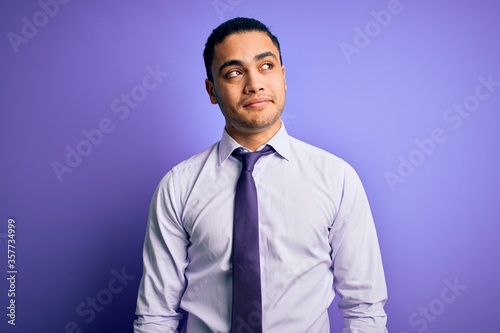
(264, 55)
(235, 62)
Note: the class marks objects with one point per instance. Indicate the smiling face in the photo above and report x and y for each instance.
(248, 84)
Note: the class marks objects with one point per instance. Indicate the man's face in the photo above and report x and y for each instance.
(249, 83)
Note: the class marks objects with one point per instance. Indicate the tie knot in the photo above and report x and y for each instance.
(248, 159)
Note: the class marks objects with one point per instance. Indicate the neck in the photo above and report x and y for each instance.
(253, 140)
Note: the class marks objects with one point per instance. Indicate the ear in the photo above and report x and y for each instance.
(284, 76)
(209, 86)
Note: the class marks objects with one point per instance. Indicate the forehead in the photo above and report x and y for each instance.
(243, 46)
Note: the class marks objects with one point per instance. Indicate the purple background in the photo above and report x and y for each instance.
(437, 228)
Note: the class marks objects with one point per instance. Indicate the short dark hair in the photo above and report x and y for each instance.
(233, 26)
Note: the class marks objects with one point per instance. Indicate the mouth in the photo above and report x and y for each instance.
(256, 103)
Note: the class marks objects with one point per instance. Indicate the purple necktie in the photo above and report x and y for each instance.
(247, 298)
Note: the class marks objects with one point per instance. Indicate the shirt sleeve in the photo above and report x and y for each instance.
(165, 259)
(357, 265)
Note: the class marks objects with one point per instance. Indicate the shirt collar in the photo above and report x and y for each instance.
(280, 142)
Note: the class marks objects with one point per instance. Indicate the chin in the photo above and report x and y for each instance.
(262, 124)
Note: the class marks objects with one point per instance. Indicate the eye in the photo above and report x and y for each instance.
(233, 73)
(267, 65)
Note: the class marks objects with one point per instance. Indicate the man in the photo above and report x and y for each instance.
(314, 231)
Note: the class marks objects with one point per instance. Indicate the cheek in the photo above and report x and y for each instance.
(280, 87)
(278, 82)
(231, 94)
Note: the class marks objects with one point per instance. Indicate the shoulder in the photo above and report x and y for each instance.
(197, 160)
(305, 150)
(313, 157)
(191, 167)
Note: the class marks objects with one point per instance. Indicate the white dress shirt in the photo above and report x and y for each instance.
(317, 236)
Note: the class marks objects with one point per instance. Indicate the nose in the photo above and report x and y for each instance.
(253, 83)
